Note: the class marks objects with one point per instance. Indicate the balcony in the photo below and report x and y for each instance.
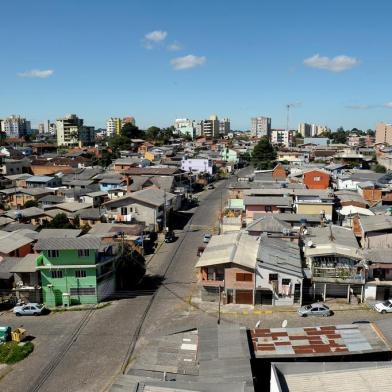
(212, 283)
(337, 275)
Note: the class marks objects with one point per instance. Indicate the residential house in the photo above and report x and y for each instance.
(316, 179)
(227, 265)
(373, 231)
(15, 244)
(293, 157)
(122, 164)
(352, 180)
(197, 165)
(33, 215)
(254, 204)
(370, 192)
(76, 270)
(335, 262)
(43, 182)
(17, 197)
(314, 201)
(229, 155)
(279, 272)
(147, 206)
(108, 184)
(269, 224)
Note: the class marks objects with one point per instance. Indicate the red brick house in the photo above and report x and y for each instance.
(316, 179)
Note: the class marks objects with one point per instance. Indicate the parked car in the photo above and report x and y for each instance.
(206, 238)
(170, 236)
(316, 309)
(210, 186)
(384, 307)
(31, 309)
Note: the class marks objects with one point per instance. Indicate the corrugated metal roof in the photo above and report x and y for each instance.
(85, 242)
(376, 223)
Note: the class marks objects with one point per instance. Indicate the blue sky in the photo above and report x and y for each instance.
(161, 60)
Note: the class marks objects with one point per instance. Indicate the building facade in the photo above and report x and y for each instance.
(15, 126)
(281, 136)
(211, 127)
(72, 132)
(384, 133)
(224, 126)
(113, 126)
(260, 126)
(185, 127)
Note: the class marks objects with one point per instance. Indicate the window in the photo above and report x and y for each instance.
(272, 277)
(243, 277)
(124, 211)
(57, 274)
(317, 179)
(82, 291)
(80, 274)
(84, 252)
(286, 282)
(53, 253)
(268, 208)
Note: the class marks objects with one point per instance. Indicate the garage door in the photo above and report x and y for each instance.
(244, 297)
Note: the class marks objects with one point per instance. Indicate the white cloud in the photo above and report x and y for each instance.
(388, 105)
(359, 106)
(174, 47)
(37, 73)
(336, 64)
(156, 36)
(188, 62)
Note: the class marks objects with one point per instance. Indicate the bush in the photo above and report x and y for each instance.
(11, 352)
(380, 169)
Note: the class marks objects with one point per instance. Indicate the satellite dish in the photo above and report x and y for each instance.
(284, 324)
(305, 232)
(258, 324)
(310, 244)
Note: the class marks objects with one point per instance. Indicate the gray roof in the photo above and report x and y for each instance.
(112, 180)
(59, 233)
(6, 265)
(97, 194)
(269, 223)
(73, 206)
(39, 179)
(332, 234)
(379, 255)
(80, 182)
(25, 264)
(52, 199)
(85, 242)
(267, 201)
(10, 241)
(90, 213)
(15, 226)
(30, 212)
(280, 255)
(292, 218)
(376, 223)
(362, 176)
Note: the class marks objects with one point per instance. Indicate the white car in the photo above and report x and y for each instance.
(384, 307)
(206, 238)
(31, 309)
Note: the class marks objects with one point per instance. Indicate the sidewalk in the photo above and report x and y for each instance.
(245, 310)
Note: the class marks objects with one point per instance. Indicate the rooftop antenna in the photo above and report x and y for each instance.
(331, 236)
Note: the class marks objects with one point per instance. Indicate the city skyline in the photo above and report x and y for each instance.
(159, 62)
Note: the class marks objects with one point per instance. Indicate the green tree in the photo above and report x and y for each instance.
(370, 132)
(340, 136)
(30, 203)
(264, 155)
(380, 169)
(118, 142)
(153, 133)
(60, 221)
(131, 131)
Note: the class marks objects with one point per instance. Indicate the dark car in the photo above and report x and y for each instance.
(170, 236)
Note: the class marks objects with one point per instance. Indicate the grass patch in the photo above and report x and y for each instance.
(11, 352)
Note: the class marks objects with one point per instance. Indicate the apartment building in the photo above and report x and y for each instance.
(211, 127)
(15, 126)
(71, 132)
(224, 126)
(260, 126)
(281, 136)
(184, 127)
(113, 126)
(384, 133)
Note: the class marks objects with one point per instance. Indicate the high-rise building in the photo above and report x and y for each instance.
(305, 129)
(52, 128)
(384, 133)
(41, 128)
(184, 126)
(71, 132)
(129, 120)
(113, 126)
(260, 126)
(15, 126)
(224, 126)
(210, 127)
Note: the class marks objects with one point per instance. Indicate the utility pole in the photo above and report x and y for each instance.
(164, 210)
(221, 212)
(219, 305)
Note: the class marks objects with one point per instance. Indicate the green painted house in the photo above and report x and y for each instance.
(229, 155)
(76, 270)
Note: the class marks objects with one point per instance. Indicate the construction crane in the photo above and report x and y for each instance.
(288, 106)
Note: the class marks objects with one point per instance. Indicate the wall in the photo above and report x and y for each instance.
(315, 209)
(371, 195)
(231, 279)
(377, 240)
(251, 210)
(309, 180)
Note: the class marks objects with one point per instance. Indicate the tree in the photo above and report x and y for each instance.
(264, 154)
(60, 221)
(370, 132)
(130, 268)
(340, 136)
(118, 142)
(380, 169)
(152, 133)
(131, 131)
(30, 203)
